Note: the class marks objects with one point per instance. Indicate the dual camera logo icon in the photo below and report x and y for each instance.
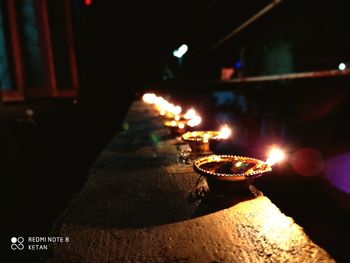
(17, 243)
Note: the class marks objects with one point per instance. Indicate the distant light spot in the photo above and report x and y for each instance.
(29, 113)
(238, 64)
(342, 66)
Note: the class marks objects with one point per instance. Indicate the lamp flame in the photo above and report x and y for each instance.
(196, 120)
(149, 98)
(159, 102)
(190, 114)
(162, 105)
(225, 132)
(176, 110)
(275, 155)
(169, 107)
(206, 137)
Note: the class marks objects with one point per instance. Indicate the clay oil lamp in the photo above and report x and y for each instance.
(202, 142)
(173, 112)
(149, 98)
(179, 127)
(230, 174)
(158, 103)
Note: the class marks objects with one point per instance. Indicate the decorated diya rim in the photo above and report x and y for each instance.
(197, 136)
(170, 118)
(261, 167)
(175, 123)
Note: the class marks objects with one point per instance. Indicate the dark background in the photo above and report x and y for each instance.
(125, 48)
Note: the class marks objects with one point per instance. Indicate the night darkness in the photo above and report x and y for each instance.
(123, 49)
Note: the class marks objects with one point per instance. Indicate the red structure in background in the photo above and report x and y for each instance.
(51, 84)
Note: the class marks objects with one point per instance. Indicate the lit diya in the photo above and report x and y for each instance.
(180, 126)
(230, 174)
(202, 141)
(176, 126)
(161, 105)
(149, 98)
(173, 112)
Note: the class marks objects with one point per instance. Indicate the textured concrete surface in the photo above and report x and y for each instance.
(141, 205)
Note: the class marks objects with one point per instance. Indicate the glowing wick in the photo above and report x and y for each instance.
(206, 137)
(177, 110)
(225, 132)
(160, 102)
(216, 158)
(275, 155)
(181, 125)
(149, 98)
(169, 107)
(238, 164)
(194, 121)
(190, 114)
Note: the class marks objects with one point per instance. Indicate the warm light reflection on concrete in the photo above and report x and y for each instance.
(266, 231)
(251, 231)
(142, 213)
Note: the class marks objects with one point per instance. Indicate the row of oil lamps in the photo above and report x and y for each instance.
(222, 168)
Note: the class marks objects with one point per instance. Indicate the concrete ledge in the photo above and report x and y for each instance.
(136, 207)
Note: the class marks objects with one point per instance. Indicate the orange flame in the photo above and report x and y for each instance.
(225, 132)
(190, 114)
(275, 155)
(196, 120)
(149, 98)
